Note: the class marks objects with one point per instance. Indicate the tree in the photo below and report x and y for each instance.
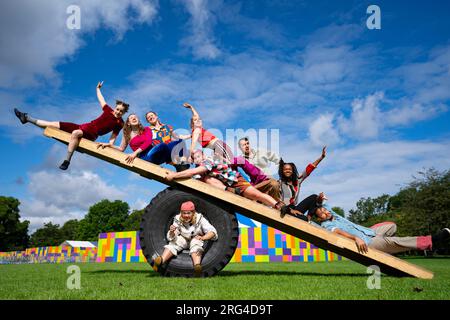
(133, 221)
(425, 203)
(49, 235)
(69, 230)
(13, 232)
(367, 208)
(104, 216)
(339, 211)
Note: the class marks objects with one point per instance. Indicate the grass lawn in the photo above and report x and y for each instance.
(294, 281)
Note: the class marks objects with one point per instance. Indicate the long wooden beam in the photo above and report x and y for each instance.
(322, 238)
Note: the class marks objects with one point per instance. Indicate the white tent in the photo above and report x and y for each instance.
(78, 244)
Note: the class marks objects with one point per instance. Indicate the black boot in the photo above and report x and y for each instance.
(284, 210)
(441, 237)
(64, 165)
(22, 116)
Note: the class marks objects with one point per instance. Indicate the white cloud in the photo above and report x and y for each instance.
(365, 120)
(60, 197)
(34, 37)
(366, 169)
(323, 132)
(78, 189)
(201, 40)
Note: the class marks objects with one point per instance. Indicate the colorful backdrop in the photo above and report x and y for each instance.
(256, 244)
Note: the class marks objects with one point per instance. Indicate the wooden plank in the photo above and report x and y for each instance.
(320, 237)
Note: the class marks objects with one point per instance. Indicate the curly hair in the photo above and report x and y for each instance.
(283, 178)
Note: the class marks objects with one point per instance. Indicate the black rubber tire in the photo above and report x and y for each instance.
(158, 217)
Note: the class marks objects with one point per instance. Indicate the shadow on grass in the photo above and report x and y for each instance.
(149, 273)
(287, 273)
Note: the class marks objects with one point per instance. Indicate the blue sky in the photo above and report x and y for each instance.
(379, 99)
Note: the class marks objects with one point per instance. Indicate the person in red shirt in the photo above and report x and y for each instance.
(109, 120)
(222, 151)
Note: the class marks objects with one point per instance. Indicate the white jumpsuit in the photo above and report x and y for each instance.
(185, 233)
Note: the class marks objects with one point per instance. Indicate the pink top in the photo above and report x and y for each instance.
(143, 140)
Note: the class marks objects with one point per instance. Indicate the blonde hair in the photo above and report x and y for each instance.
(127, 128)
(193, 220)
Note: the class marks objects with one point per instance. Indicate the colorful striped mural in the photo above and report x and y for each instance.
(119, 247)
(256, 244)
(265, 244)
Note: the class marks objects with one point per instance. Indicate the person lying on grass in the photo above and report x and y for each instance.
(109, 120)
(188, 231)
(380, 236)
(221, 175)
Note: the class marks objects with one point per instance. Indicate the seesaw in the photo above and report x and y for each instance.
(219, 207)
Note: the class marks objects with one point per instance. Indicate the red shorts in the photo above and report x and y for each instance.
(88, 133)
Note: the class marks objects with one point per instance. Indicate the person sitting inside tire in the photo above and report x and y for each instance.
(188, 231)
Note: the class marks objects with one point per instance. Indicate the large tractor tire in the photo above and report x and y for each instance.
(159, 216)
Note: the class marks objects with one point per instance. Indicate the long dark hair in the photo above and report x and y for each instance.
(293, 178)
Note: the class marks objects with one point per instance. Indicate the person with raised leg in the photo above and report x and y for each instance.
(109, 121)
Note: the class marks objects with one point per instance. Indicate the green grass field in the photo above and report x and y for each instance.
(293, 281)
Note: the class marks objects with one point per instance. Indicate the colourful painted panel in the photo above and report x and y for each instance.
(265, 244)
(120, 247)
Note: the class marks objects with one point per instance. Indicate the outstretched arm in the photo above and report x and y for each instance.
(360, 244)
(185, 174)
(322, 156)
(122, 147)
(100, 98)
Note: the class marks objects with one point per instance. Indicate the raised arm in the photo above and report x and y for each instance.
(100, 98)
(312, 166)
(322, 156)
(195, 115)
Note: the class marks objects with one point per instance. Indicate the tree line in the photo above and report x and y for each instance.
(422, 207)
(104, 216)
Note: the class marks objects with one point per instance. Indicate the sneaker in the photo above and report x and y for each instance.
(22, 116)
(198, 270)
(182, 166)
(284, 210)
(64, 165)
(440, 237)
(157, 262)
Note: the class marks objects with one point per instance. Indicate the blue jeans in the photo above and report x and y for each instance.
(162, 153)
